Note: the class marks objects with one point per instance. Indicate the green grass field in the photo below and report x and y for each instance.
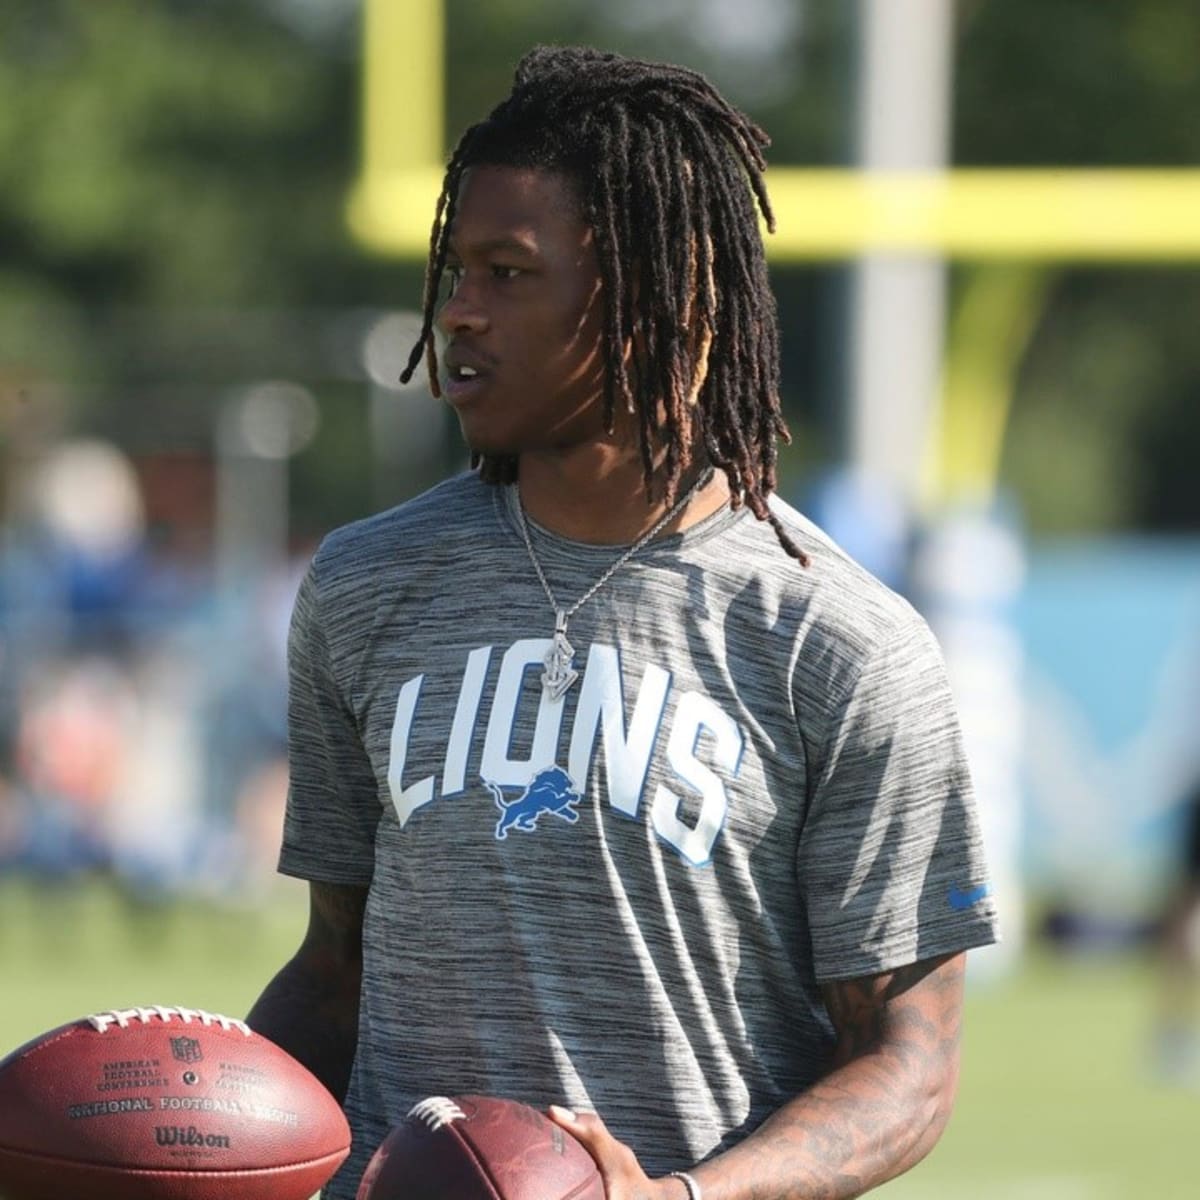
(1056, 1101)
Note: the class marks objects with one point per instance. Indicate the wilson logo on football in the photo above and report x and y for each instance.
(190, 1137)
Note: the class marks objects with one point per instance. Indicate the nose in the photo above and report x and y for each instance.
(461, 313)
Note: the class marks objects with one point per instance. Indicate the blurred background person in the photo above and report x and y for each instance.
(1177, 1044)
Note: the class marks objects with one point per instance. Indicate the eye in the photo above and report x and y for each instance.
(502, 272)
(452, 275)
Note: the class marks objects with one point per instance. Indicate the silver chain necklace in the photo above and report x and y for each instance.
(560, 671)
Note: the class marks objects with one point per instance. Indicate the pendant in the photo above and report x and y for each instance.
(559, 673)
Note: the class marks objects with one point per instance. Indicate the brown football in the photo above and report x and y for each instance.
(163, 1104)
(479, 1148)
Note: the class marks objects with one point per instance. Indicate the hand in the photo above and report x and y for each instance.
(623, 1176)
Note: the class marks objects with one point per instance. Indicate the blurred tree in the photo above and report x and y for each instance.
(1105, 432)
(164, 167)
(149, 151)
(1074, 83)
(788, 63)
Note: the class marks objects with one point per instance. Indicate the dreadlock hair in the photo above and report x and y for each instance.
(660, 163)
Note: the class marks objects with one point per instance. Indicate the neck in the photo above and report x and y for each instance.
(601, 498)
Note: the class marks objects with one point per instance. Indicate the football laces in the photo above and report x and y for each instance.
(124, 1017)
(436, 1111)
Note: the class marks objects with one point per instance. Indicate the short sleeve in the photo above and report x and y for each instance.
(332, 807)
(890, 859)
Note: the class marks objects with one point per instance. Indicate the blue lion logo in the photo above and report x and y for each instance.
(549, 791)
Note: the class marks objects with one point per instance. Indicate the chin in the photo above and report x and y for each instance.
(492, 447)
(478, 439)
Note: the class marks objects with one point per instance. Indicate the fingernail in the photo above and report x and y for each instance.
(564, 1114)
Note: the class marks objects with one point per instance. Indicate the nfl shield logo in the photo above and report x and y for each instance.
(186, 1049)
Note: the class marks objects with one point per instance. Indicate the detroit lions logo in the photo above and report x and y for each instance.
(549, 791)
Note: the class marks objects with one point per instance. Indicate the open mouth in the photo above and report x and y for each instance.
(462, 380)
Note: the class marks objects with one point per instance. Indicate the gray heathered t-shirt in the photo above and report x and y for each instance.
(625, 899)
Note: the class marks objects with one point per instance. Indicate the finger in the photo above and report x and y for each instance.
(613, 1157)
(587, 1128)
(579, 1123)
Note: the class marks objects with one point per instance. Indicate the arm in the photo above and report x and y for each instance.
(878, 1112)
(310, 1008)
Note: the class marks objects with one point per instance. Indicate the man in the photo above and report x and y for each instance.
(1177, 1019)
(620, 790)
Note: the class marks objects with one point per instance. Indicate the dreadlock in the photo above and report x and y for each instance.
(660, 162)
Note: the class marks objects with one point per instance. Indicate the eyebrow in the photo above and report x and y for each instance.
(506, 242)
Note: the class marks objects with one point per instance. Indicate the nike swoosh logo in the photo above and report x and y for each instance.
(960, 899)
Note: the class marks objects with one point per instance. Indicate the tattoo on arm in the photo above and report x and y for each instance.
(881, 1107)
(917, 1007)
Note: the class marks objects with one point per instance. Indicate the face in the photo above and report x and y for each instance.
(522, 367)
